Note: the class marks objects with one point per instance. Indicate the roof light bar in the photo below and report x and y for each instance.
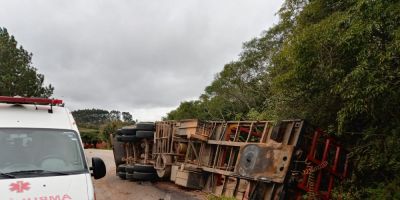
(30, 100)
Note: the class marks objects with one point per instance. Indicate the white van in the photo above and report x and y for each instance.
(41, 154)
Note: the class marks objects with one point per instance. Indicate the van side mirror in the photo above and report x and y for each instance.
(98, 167)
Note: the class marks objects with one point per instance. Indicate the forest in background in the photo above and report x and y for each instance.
(334, 63)
(96, 125)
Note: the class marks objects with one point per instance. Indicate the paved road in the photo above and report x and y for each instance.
(113, 188)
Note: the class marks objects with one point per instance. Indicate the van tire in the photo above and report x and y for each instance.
(145, 126)
(127, 138)
(144, 168)
(142, 176)
(145, 134)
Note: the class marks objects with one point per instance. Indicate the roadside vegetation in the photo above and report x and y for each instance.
(96, 125)
(334, 63)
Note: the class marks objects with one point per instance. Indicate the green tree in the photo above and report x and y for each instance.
(242, 86)
(187, 110)
(91, 118)
(90, 136)
(334, 63)
(109, 128)
(127, 117)
(97, 124)
(17, 75)
(115, 115)
(339, 68)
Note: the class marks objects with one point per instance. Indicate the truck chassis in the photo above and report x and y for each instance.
(247, 159)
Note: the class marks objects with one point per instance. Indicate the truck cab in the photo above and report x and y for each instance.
(41, 154)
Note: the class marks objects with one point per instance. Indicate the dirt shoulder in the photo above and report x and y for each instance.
(112, 188)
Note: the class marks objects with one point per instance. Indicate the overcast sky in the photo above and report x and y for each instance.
(140, 56)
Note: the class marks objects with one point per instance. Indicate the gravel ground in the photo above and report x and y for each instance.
(112, 188)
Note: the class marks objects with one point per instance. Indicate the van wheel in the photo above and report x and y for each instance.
(144, 168)
(144, 176)
(122, 175)
(145, 126)
(145, 134)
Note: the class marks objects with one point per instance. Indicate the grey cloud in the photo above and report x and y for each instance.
(133, 55)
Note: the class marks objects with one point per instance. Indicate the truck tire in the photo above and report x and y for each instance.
(122, 175)
(128, 131)
(130, 169)
(127, 138)
(118, 132)
(145, 134)
(130, 177)
(144, 168)
(142, 176)
(145, 126)
(121, 168)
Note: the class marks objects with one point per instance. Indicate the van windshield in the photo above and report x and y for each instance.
(24, 151)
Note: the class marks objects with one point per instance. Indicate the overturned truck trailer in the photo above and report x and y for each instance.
(250, 159)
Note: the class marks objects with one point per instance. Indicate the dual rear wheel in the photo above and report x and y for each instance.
(136, 134)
